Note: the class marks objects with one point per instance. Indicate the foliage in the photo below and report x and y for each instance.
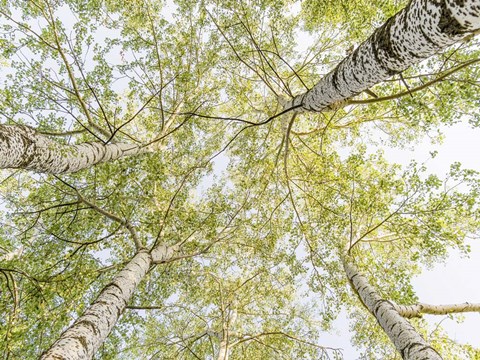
(263, 206)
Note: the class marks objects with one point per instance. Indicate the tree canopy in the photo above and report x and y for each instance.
(206, 180)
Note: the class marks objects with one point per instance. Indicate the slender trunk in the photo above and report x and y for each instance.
(416, 310)
(406, 339)
(223, 351)
(85, 336)
(413, 34)
(22, 147)
(224, 336)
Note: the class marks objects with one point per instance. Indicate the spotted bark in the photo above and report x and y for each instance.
(89, 331)
(409, 343)
(85, 336)
(23, 148)
(415, 33)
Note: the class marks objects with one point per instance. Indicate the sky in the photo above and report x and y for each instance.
(445, 283)
(451, 282)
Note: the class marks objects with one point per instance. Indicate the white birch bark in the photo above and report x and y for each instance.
(89, 331)
(409, 343)
(418, 31)
(416, 310)
(224, 336)
(223, 351)
(85, 336)
(22, 147)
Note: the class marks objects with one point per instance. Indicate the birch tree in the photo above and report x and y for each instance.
(71, 94)
(83, 339)
(406, 339)
(88, 257)
(23, 148)
(415, 33)
(117, 230)
(241, 309)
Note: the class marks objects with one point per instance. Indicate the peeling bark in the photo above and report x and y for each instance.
(22, 147)
(409, 343)
(415, 33)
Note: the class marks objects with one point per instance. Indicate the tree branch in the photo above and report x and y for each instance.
(417, 310)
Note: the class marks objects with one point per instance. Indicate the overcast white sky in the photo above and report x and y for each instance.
(455, 280)
(451, 282)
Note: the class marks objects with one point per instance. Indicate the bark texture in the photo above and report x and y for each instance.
(406, 339)
(22, 147)
(164, 253)
(224, 335)
(223, 352)
(416, 310)
(418, 31)
(89, 331)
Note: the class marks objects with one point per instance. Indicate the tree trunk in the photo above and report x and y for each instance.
(89, 331)
(413, 34)
(22, 147)
(223, 351)
(224, 336)
(406, 339)
(82, 339)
